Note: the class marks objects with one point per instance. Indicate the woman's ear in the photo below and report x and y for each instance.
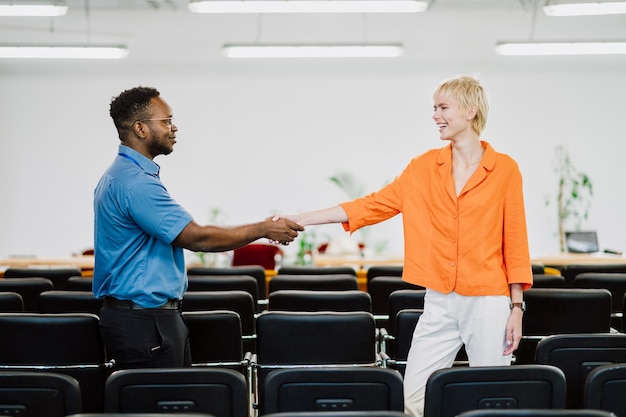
(471, 113)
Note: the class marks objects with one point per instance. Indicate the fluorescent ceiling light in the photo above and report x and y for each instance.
(64, 51)
(308, 6)
(312, 51)
(32, 10)
(561, 48)
(557, 8)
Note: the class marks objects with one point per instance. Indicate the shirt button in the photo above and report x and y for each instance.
(453, 240)
(452, 263)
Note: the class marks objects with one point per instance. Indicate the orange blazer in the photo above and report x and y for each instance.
(475, 243)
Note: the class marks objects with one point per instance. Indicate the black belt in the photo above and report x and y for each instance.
(129, 305)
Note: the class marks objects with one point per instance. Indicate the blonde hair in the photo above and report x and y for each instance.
(470, 95)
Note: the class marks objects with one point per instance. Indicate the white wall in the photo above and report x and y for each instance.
(259, 138)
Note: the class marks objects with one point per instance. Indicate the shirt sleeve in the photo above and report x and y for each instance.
(154, 210)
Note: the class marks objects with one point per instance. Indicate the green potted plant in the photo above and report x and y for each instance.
(574, 195)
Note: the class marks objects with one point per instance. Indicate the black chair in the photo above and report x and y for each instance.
(64, 301)
(519, 386)
(548, 281)
(38, 394)
(384, 271)
(333, 389)
(255, 271)
(216, 391)
(216, 339)
(327, 282)
(396, 341)
(29, 289)
(536, 412)
(538, 269)
(172, 414)
(612, 281)
(309, 300)
(316, 270)
(288, 339)
(238, 301)
(380, 288)
(11, 302)
(577, 355)
(562, 311)
(58, 276)
(605, 387)
(79, 284)
(62, 343)
(225, 283)
(570, 272)
(338, 413)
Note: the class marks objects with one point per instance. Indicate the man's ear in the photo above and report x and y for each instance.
(138, 130)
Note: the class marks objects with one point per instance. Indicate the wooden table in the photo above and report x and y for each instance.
(579, 259)
(84, 263)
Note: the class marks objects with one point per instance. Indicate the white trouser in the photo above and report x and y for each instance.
(448, 322)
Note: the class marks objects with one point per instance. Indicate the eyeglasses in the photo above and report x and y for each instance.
(169, 121)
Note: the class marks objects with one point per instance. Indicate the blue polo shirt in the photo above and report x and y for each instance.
(136, 222)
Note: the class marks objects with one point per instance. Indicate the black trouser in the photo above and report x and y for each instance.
(146, 338)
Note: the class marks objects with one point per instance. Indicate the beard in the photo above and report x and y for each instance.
(159, 145)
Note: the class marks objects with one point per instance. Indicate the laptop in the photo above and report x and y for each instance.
(582, 242)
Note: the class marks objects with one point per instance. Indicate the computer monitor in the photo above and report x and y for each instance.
(582, 242)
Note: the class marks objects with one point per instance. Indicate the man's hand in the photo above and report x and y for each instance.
(281, 230)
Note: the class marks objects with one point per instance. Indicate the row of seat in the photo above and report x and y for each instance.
(457, 391)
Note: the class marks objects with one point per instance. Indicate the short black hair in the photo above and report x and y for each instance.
(131, 105)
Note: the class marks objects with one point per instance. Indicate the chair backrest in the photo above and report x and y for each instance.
(605, 387)
(215, 338)
(577, 355)
(536, 412)
(255, 271)
(226, 282)
(519, 386)
(79, 284)
(64, 301)
(316, 270)
(62, 343)
(613, 281)
(366, 413)
(380, 288)
(309, 300)
(562, 311)
(548, 281)
(238, 301)
(570, 272)
(314, 338)
(38, 394)
(384, 271)
(58, 276)
(326, 282)
(332, 389)
(11, 302)
(216, 391)
(566, 310)
(402, 300)
(257, 254)
(538, 269)
(29, 289)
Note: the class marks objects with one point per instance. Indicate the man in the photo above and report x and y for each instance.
(140, 233)
(465, 240)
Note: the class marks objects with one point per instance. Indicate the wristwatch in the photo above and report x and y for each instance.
(521, 306)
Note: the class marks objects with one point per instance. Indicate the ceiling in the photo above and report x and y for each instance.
(165, 31)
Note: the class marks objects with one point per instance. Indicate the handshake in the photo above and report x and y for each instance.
(283, 229)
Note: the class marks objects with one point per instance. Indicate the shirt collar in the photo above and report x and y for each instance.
(146, 164)
(488, 160)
